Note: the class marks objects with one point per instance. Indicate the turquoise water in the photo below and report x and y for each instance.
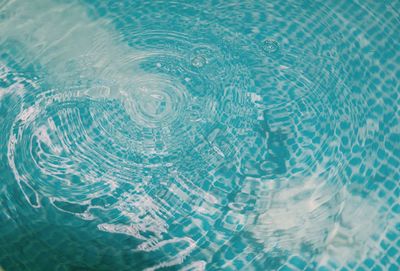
(199, 135)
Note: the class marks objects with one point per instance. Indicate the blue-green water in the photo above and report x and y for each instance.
(199, 135)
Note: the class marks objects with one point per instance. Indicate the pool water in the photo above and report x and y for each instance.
(199, 135)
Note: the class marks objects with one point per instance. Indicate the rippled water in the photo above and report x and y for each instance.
(203, 135)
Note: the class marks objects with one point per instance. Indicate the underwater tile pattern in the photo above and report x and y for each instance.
(199, 135)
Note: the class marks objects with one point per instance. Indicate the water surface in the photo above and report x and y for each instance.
(199, 135)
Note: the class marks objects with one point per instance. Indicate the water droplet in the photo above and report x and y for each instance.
(199, 61)
(270, 46)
